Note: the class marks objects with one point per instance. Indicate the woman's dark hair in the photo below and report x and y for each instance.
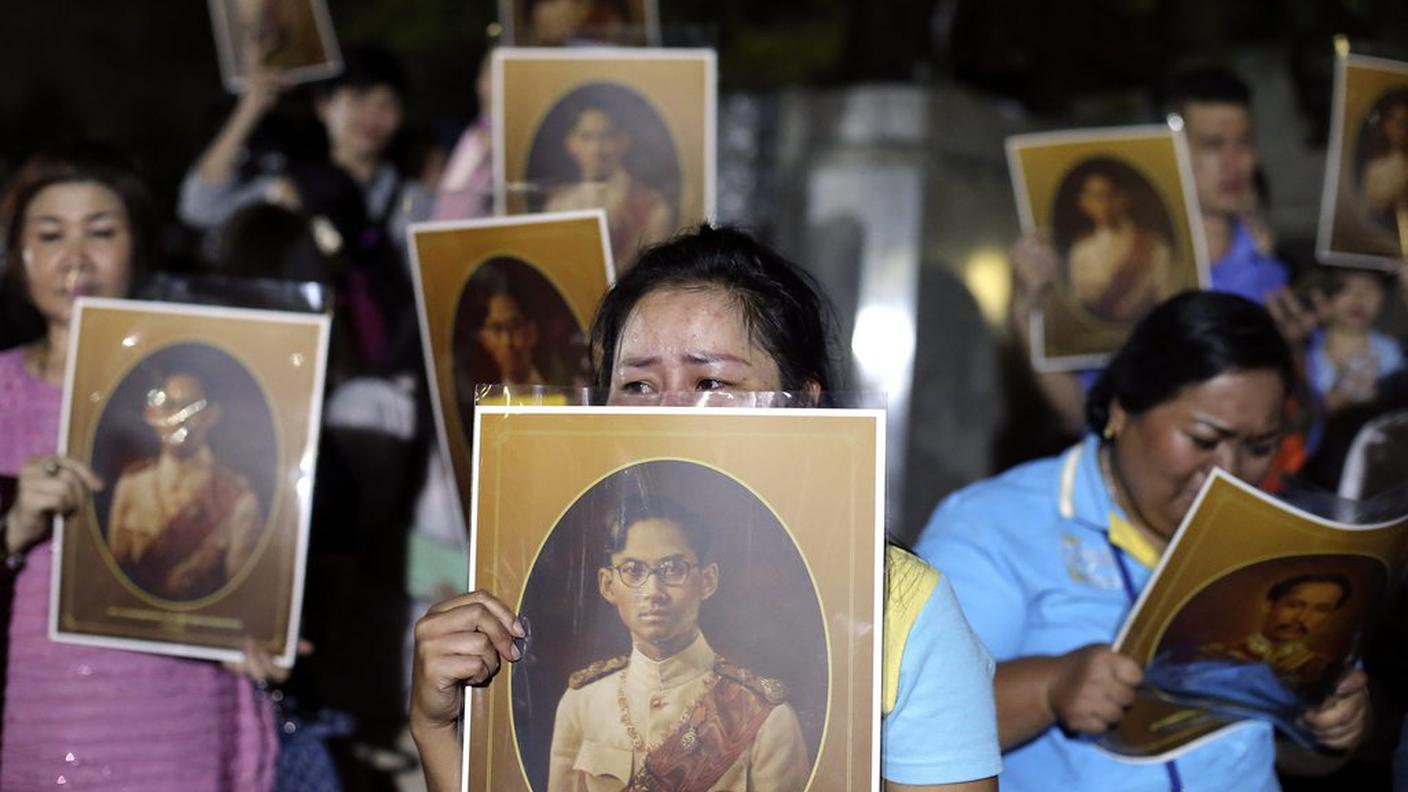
(783, 308)
(266, 241)
(1187, 340)
(65, 163)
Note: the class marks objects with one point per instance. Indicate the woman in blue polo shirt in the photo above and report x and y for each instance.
(1048, 558)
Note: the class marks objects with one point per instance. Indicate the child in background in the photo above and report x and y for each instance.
(1347, 357)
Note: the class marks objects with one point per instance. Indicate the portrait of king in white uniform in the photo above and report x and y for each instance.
(672, 715)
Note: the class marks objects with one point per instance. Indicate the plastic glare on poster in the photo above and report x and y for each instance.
(1255, 611)
(1121, 212)
(202, 424)
(505, 301)
(292, 37)
(701, 589)
(627, 130)
(1364, 207)
(539, 23)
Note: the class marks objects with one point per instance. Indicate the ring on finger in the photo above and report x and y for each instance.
(51, 467)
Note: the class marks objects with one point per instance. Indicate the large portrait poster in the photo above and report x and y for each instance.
(554, 23)
(294, 37)
(203, 425)
(1121, 211)
(1364, 208)
(630, 131)
(701, 589)
(1255, 611)
(505, 301)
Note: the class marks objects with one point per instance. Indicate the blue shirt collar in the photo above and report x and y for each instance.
(1083, 494)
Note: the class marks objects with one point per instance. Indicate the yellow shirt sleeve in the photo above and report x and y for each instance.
(908, 583)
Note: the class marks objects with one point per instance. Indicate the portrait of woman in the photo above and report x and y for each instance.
(645, 625)
(1116, 237)
(188, 438)
(604, 145)
(513, 327)
(1383, 163)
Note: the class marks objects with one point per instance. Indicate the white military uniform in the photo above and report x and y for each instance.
(592, 746)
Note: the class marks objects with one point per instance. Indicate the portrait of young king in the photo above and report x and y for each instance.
(646, 639)
(714, 310)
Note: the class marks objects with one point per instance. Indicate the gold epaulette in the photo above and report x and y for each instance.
(597, 670)
(773, 691)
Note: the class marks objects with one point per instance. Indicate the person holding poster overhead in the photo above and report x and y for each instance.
(1048, 558)
(715, 311)
(1217, 115)
(76, 223)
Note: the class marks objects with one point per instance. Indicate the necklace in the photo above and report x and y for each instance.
(1114, 486)
(687, 740)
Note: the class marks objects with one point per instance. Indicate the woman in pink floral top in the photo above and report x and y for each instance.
(79, 717)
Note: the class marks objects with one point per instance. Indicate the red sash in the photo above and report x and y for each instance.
(722, 726)
(1133, 271)
(183, 534)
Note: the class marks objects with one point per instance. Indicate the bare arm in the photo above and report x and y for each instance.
(1034, 268)
(459, 642)
(261, 90)
(1086, 690)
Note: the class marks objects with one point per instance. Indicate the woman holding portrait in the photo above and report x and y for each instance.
(76, 220)
(1048, 558)
(713, 312)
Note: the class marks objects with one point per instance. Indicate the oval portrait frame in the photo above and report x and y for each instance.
(1368, 136)
(653, 159)
(525, 281)
(264, 479)
(1148, 208)
(814, 714)
(1274, 568)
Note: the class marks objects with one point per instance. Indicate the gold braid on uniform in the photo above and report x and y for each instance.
(773, 691)
(597, 670)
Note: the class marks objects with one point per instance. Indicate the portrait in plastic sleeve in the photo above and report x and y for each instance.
(504, 301)
(189, 441)
(1256, 611)
(685, 632)
(514, 327)
(627, 132)
(204, 441)
(645, 603)
(603, 145)
(1116, 204)
(1116, 240)
(292, 36)
(557, 23)
(1364, 210)
(1269, 639)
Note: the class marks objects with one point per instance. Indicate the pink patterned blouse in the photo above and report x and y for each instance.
(84, 718)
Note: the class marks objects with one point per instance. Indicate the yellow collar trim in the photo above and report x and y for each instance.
(1126, 537)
